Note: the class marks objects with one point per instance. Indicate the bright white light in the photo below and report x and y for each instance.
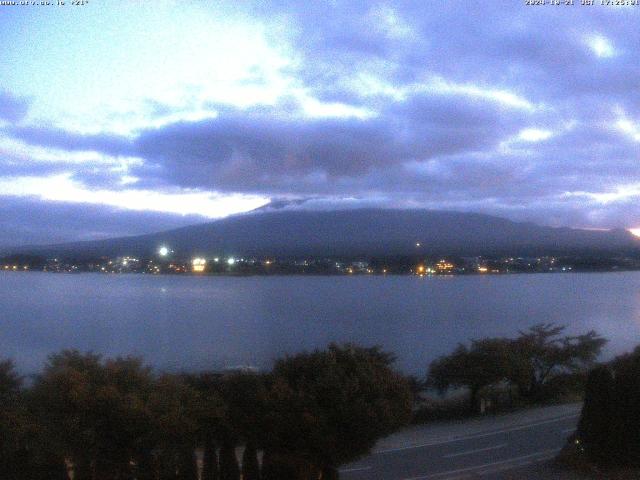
(601, 46)
(534, 135)
(231, 261)
(217, 259)
(164, 251)
(635, 231)
(63, 188)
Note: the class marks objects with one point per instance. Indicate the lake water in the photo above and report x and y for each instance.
(190, 322)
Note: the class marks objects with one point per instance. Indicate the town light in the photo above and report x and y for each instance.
(198, 264)
(164, 251)
(231, 261)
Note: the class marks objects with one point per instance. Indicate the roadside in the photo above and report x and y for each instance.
(523, 445)
(517, 445)
(440, 432)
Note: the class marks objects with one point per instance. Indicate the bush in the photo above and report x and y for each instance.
(609, 427)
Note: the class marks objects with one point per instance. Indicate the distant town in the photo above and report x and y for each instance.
(167, 261)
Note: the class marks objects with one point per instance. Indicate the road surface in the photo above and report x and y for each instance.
(479, 448)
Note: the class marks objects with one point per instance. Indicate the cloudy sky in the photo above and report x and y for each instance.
(124, 117)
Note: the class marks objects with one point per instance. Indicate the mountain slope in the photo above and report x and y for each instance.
(360, 232)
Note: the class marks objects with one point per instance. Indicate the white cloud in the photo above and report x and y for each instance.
(620, 193)
(504, 98)
(184, 201)
(629, 127)
(27, 153)
(534, 135)
(315, 108)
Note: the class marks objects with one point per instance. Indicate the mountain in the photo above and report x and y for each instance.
(360, 232)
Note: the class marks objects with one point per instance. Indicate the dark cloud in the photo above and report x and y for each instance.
(257, 151)
(11, 166)
(71, 141)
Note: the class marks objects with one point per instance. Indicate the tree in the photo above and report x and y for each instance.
(484, 363)
(65, 397)
(94, 413)
(10, 381)
(175, 407)
(329, 407)
(15, 425)
(229, 468)
(250, 466)
(527, 362)
(626, 407)
(540, 353)
(211, 420)
(595, 425)
(124, 420)
(609, 426)
(244, 397)
(210, 467)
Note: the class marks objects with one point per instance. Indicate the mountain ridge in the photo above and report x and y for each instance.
(357, 232)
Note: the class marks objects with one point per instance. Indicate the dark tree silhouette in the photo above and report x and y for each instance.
(15, 425)
(250, 466)
(484, 363)
(609, 426)
(113, 419)
(527, 362)
(595, 426)
(210, 462)
(329, 407)
(94, 412)
(540, 353)
(229, 469)
(174, 406)
(626, 404)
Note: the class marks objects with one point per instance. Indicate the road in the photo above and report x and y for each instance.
(473, 449)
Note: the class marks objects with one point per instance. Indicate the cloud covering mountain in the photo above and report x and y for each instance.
(190, 111)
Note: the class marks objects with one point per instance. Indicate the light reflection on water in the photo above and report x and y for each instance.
(184, 322)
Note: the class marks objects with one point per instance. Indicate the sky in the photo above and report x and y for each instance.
(127, 117)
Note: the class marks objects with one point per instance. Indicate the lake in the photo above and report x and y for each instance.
(191, 322)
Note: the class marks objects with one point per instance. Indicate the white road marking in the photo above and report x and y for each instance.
(355, 469)
(478, 450)
(479, 435)
(542, 453)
